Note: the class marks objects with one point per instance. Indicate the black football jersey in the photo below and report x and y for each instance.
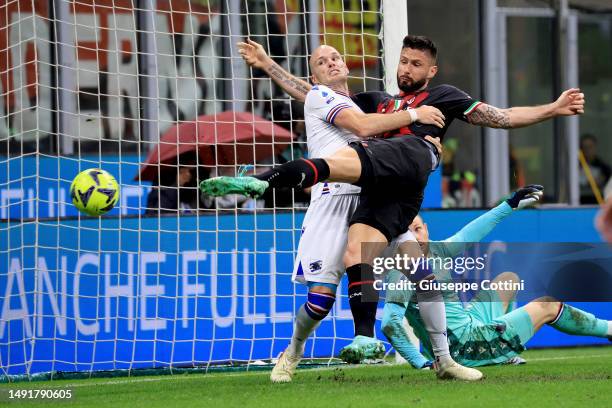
(452, 102)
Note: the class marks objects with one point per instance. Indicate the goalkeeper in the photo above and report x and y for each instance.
(487, 331)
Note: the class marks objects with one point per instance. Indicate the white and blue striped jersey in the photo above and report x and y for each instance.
(321, 107)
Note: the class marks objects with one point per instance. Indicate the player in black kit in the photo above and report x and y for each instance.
(392, 169)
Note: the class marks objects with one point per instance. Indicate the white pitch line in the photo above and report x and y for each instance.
(569, 357)
(197, 376)
(252, 373)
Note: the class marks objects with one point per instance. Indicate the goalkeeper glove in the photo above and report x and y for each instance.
(525, 196)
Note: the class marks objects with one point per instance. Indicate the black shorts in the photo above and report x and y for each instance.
(393, 178)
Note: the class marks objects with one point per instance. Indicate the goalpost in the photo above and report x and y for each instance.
(97, 84)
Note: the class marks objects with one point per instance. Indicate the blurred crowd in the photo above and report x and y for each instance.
(176, 187)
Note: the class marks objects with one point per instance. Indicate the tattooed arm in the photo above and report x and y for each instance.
(255, 55)
(571, 102)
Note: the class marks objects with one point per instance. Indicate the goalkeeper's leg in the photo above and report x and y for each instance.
(524, 322)
(566, 318)
(321, 297)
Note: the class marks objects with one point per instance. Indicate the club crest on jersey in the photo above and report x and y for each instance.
(316, 266)
(324, 94)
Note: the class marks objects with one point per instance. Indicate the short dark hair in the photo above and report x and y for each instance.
(422, 43)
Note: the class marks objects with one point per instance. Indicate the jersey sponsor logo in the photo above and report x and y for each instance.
(316, 266)
(329, 100)
(408, 101)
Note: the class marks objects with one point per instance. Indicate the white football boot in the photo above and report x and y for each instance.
(285, 368)
(451, 370)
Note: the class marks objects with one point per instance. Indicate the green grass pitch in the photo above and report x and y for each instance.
(552, 378)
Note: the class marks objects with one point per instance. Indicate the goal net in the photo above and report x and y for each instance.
(154, 92)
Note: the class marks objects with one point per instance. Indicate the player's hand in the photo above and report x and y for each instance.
(571, 102)
(436, 142)
(253, 53)
(429, 115)
(526, 196)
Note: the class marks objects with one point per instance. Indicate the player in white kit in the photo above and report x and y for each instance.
(325, 226)
(319, 262)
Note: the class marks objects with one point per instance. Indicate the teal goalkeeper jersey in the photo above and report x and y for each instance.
(457, 318)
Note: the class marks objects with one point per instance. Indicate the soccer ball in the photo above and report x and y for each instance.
(94, 192)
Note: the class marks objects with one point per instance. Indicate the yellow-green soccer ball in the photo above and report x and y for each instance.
(94, 192)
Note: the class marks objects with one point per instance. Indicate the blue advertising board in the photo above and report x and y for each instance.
(39, 186)
(140, 292)
(129, 291)
(33, 187)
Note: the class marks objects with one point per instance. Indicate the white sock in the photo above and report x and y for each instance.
(304, 326)
(609, 327)
(431, 309)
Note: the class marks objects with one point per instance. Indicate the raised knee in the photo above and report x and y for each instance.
(549, 306)
(507, 277)
(352, 254)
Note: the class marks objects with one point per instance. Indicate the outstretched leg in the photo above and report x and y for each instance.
(343, 166)
(566, 318)
(527, 320)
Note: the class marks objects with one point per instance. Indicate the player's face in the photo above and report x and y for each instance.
(419, 229)
(327, 66)
(415, 69)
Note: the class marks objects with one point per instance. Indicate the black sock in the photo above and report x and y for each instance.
(363, 298)
(297, 173)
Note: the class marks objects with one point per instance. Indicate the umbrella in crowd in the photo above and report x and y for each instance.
(227, 138)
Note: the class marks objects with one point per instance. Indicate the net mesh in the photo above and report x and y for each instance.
(155, 93)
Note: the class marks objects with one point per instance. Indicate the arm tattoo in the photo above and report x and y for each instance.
(490, 116)
(287, 81)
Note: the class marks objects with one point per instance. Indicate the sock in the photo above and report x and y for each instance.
(297, 173)
(304, 326)
(308, 318)
(576, 321)
(431, 309)
(363, 298)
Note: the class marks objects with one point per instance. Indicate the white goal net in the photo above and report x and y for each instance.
(154, 92)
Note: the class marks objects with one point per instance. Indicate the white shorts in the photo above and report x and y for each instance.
(324, 238)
